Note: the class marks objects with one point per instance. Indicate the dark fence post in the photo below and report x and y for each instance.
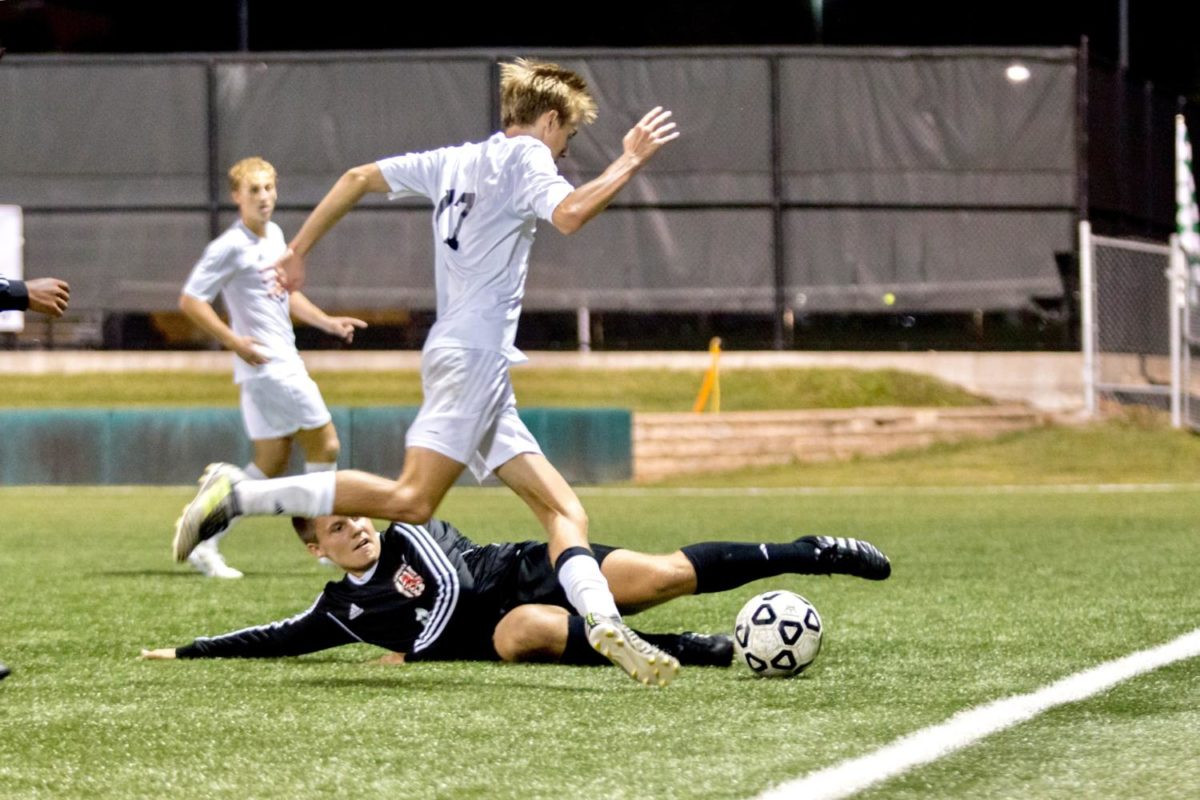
(783, 330)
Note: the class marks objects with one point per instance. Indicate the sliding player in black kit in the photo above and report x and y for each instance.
(430, 593)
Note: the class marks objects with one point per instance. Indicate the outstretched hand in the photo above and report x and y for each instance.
(390, 659)
(651, 133)
(343, 327)
(162, 654)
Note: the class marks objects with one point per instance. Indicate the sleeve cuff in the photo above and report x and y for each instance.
(16, 297)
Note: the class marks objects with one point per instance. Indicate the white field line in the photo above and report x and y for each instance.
(971, 725)
(819, 491)
(732, 491)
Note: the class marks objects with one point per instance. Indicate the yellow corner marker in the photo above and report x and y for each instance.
(712, 380)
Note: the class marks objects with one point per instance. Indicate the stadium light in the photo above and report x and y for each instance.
(1017, 73)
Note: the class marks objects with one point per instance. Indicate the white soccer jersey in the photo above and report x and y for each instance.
(487, 199)
(239, 265)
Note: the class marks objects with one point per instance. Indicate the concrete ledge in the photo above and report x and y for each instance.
(667, 445)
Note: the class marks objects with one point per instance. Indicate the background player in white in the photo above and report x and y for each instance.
(280, 402)
(488, 197)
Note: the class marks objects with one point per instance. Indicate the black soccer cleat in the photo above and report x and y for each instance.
(703, 650)
(844, 556)
(4, 671)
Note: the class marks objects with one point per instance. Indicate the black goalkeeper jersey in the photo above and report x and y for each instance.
(421, 582)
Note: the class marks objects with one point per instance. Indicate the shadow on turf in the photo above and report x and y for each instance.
(432, 683)
(182, 573)
(414, 675)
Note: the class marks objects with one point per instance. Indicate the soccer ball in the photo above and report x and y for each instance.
(777, 634)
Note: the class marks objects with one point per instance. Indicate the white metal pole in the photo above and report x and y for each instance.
(1186, 345)
(1176, 279)
(12, 261)
(1087, 307)
(583, 325)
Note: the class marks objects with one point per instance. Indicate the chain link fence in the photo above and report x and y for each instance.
(1127, 330)
(1190, 342)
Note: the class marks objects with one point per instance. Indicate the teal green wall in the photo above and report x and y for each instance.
(172, 445)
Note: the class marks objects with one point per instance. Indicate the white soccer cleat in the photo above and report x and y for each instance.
(643, 662)
(209, 561)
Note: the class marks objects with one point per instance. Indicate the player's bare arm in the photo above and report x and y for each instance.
(639, 146)
(206, 318)
(48, 296)
(306, 312)
(355, 184)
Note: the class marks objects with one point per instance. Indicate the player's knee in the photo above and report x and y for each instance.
(328, 452)
(528, 634)
(671, 576)
(406, 505)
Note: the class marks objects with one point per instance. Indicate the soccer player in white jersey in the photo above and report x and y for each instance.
(280, 402)
(487, 200)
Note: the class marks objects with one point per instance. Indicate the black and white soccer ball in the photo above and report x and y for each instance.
(777, 634)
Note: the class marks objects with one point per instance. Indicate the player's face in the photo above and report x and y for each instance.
(255, 198)
(558, 137)
(350, 542)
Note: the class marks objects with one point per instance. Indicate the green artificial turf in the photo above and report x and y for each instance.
(994, 594)
(640, 390)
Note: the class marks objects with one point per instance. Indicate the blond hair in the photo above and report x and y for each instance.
(247, 167)
(529, 89)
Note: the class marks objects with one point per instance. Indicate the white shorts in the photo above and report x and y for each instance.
(470, 412)
(275, 406)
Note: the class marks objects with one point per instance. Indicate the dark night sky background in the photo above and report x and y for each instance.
(1164, 36)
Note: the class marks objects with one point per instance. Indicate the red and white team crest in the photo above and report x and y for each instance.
(408, 581)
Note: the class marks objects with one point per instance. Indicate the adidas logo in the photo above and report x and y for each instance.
(278, 508)
(355, 611)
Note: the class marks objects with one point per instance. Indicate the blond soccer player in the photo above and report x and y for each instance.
(280, 403)
(487, 198)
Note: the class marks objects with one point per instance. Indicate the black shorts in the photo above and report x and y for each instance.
(506, 575)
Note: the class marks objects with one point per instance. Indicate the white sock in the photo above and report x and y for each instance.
(253, 472)
(296, 495)
(210, 545)
(319, 466)
(586, 587)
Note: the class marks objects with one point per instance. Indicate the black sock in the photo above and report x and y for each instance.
(579, 650)
(667, 642)
(727, 565)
